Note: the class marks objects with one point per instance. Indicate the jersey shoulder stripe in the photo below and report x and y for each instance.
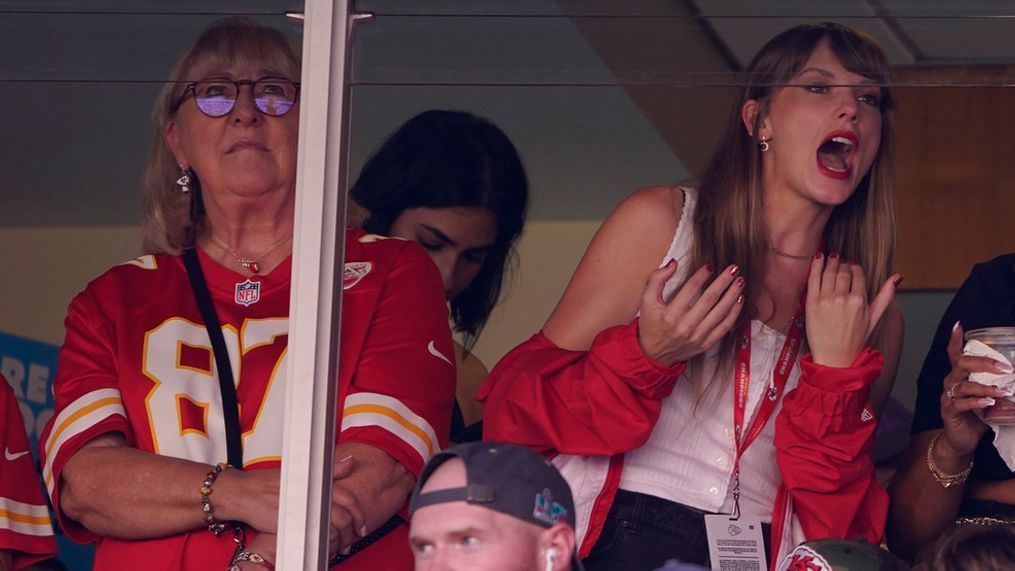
(77, 417)
(26, 519)
(146, 262)
(390, 414)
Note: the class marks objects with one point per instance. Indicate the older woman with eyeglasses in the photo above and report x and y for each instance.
(166, 439)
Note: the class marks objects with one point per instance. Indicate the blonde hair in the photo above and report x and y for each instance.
(728, 224)
(173, 220)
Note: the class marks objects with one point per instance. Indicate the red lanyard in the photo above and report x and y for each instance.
(742, 379)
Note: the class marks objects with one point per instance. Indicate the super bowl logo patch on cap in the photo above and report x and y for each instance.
(804, 558)
(247, 293)
(547, 510)
(354, 272)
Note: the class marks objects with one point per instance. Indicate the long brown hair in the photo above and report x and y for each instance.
(728, 224)
(170, 221)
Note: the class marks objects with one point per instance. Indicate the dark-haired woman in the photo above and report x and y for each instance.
(454, 183)
(714, 351)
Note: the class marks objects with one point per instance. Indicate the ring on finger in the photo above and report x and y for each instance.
(951, 392)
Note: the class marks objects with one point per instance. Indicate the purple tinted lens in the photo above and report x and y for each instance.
(273, 105)
(215, 106)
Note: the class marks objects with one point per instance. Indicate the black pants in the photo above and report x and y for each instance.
(642, 532)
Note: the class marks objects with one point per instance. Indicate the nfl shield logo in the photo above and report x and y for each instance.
(248, 292)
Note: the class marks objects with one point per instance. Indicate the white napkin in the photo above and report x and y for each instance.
(1004, 434)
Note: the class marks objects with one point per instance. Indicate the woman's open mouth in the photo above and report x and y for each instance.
(836, 153)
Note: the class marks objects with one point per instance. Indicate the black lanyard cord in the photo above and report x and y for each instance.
(230, 406)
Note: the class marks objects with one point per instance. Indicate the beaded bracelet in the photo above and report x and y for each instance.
(244, 555)
(945, 479)
(214, 525)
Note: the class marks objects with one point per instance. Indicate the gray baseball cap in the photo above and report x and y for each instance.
(507, 478)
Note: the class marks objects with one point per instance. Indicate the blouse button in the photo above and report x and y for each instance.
(714, 491)
(720, 461)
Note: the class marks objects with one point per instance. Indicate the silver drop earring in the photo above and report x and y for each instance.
(184, 181)
(764, 146)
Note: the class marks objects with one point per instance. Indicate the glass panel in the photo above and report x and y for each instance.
(80, 79)
(602, 97)
(599, 96)
(86, 83)
(660, 43)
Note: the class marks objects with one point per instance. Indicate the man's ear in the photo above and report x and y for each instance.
(749, 114)
(171, 134)
(561, 538)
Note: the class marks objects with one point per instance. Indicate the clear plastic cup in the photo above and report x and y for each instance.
(1002, 340)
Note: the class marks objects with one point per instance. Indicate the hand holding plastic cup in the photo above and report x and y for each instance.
(1000, 345)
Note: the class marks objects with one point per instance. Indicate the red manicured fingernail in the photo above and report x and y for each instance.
(898, 280)
(734, 269)
(671, 263)
(817, 255)
(708, 267)
(740, 282)
(833, 255)
(740, 299)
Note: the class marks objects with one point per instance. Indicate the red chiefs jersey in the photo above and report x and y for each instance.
(25, 529)
(137, 360)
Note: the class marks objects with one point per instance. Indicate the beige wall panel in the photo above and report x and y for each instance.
(956, 196)
(548, 253)
(44, 268)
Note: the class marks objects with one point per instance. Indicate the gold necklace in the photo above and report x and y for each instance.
(249, 263)
(779, 252)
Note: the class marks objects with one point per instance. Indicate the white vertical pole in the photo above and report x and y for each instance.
(315, 300)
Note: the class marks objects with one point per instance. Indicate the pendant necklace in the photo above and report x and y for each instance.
(249, 263)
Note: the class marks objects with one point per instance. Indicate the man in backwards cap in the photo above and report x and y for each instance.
(492, 506)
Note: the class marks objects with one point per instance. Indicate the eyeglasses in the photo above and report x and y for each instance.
(273, 96)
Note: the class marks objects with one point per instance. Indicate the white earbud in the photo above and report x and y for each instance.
(551, 556)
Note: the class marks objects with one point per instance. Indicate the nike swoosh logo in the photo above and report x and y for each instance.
(433, 351)
(12, 457)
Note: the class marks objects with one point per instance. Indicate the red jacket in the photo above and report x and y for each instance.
(587, 408)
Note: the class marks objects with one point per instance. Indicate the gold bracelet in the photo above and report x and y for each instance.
(945, 479)
(984, 520)
(244, 555)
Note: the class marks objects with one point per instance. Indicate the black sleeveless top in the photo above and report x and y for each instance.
(986, 299)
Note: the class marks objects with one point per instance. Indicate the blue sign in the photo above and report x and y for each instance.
(30, 367)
